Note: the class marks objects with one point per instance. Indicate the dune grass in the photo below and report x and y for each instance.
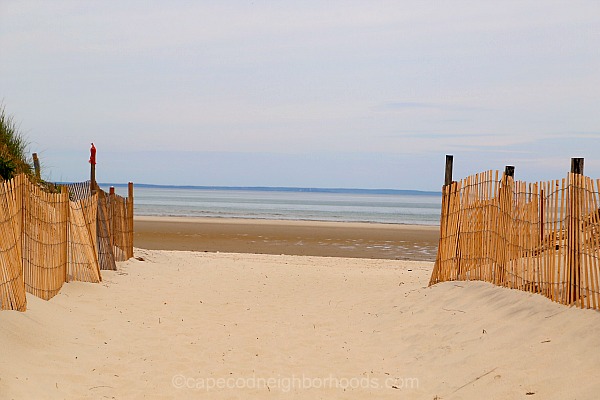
(13, 147)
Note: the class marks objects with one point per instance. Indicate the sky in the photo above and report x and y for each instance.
(352, 94)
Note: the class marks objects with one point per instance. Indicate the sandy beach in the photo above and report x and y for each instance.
(318, 154)
(312, 238)
(178, 324)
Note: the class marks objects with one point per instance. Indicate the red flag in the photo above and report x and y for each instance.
(93, 155)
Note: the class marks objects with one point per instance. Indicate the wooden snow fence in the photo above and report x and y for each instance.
(114, 228)
(45, 240)
(12, 287)
(122, 224)
(104, 241)
(106, 254)
(538, 237)
(48, 239)
(118, 213)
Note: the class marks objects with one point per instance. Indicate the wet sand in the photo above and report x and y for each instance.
(306, 238)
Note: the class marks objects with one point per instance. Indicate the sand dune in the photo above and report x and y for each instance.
(224, 326)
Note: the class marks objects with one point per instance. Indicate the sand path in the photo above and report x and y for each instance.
(226, 326)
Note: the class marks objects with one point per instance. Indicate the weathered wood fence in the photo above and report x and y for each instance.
(47, 239)
(539, 237)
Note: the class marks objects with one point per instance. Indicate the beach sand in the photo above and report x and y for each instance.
(313, 238)
(228, 325)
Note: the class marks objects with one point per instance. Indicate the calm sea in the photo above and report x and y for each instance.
(397, 207)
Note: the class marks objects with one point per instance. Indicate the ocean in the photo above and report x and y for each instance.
(344, 205)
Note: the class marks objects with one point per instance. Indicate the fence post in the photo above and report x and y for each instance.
(67, 211)
(93, 178)
(93, 168)
(36, 165)
(577, 166)
(441, 266)
(504, 226)
(449, 163)
(130, 219)
(574, 231)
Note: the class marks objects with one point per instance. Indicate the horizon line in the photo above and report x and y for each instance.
(279, 188)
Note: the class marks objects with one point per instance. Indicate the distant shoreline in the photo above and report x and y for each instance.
(284, 189)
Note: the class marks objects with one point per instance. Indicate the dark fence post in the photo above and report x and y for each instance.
(93, 168)
(505, 199)
(574, 231)
(449, 162)
(444, 257)
(93, 178)
(577, 166)
(36, 165)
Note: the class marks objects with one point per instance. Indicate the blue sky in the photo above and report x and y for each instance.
(368, 94)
